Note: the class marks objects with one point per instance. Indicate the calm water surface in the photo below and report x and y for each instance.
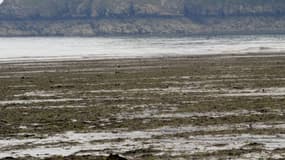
(121, 47)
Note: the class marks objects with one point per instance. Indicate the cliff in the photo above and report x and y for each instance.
(140, 17)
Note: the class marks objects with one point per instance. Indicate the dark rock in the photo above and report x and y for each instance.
(115, 157)
(9, 158)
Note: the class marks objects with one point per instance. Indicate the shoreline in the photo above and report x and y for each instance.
(79, 58)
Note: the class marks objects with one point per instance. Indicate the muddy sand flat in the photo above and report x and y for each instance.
(223, 106)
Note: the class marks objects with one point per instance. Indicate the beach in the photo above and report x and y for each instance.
(178, 107)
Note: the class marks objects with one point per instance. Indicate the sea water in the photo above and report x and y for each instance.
(43, 48)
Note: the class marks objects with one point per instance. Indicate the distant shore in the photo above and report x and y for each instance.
(142, 27)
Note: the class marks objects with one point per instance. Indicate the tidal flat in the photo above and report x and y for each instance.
(187, 107)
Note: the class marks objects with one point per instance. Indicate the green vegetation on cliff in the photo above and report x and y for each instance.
(18, 17)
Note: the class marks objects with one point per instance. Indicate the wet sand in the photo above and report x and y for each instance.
(195, 107)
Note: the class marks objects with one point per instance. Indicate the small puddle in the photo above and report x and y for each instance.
(37, 101)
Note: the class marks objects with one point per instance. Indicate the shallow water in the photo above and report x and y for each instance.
(72, 142)
(122, 47)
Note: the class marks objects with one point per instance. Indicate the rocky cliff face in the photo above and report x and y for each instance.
(139, 16)
(235, 8)
(54, 9)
